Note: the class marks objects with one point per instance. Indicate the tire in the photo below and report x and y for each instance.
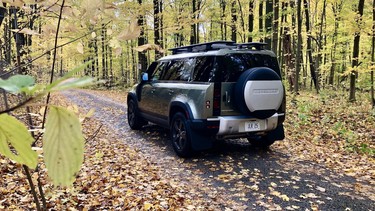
(260, 105)
(263, 142)
(134, 120)
(181, 136)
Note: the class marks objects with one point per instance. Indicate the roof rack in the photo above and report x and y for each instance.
(202, 47)
(251, 45)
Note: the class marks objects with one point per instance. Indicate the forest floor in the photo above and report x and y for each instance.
(327, 161)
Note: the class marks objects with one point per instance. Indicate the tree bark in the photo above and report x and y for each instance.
(299, 43)
(142, 59)
(268, 23)
(157, 21)
(355, 63)
(234, 21)
(223, 24)
(275, 26)
(104, 70)
(243, 38)
(336, 8)
(251, 21)
(193, 34)
(319, 60)
(261, 20)
(309, 47)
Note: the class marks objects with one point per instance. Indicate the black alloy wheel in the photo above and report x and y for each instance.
(134, 120)
(181, 135)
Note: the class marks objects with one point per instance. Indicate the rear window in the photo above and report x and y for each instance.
(232, 65)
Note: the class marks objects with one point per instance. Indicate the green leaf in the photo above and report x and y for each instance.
(73, 83)
(68, 75)
(15, 141)
(17, 83)
(63, 145)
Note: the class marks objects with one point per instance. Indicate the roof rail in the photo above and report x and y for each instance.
(208, 46)
(250, 45)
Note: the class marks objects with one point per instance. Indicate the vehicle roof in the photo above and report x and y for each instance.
(220, 52)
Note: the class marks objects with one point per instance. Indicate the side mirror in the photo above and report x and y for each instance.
(144, 77)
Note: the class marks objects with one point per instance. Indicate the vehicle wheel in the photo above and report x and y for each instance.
(259, 92)
(181, 135)
(134, 120)
(262, 142)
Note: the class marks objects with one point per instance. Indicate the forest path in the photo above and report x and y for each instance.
(233, 174)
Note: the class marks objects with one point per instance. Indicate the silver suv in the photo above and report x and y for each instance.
(210, 91)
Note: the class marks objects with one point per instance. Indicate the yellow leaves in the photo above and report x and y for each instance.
(254, 187)
(278, 194)
(130, 33)
(147, 206)
(148, 47)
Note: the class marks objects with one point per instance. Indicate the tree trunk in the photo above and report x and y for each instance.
(193, 34)
(336, 8)
(275, 26)
(161, 41)
(355, 63)
(234, 21)
(288, 58)
(261, 20)
(104, 71)
(157, 21)
(282, 29)
(251, 21)
(320, 41)
(299, 43)
(243, 38)
(142, 59)
(20, 42)
(268, 23)
(309, 47)
(223, 25)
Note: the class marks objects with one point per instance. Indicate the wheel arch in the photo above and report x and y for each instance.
(177, 106)
(131, 96)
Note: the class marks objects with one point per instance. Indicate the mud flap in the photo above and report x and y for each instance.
(201, 142)
(277, 134)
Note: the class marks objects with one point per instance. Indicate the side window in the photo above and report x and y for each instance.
(178, 70)
(204, 69)
(158, 71)
(185, 72)
(172, 70)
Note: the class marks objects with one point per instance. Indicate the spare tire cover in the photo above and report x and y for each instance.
(259, 92)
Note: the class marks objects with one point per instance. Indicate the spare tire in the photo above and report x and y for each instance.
(259, 92)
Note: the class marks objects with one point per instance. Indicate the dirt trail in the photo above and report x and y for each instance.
(233, 174)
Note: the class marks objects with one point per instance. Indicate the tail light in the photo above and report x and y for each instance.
(216, 100)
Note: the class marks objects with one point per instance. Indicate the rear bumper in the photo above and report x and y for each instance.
(235, 126)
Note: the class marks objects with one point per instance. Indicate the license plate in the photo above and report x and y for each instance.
(252, 126)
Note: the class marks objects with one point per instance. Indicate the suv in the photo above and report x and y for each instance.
(209, 91)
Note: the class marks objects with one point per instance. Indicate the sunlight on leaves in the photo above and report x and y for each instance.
(63, 146)
(15, 141)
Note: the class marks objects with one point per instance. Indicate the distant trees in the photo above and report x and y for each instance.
(313, 40)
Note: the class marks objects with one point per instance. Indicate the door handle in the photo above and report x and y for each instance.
(227, 98)
(153, 90)
(170, 92)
